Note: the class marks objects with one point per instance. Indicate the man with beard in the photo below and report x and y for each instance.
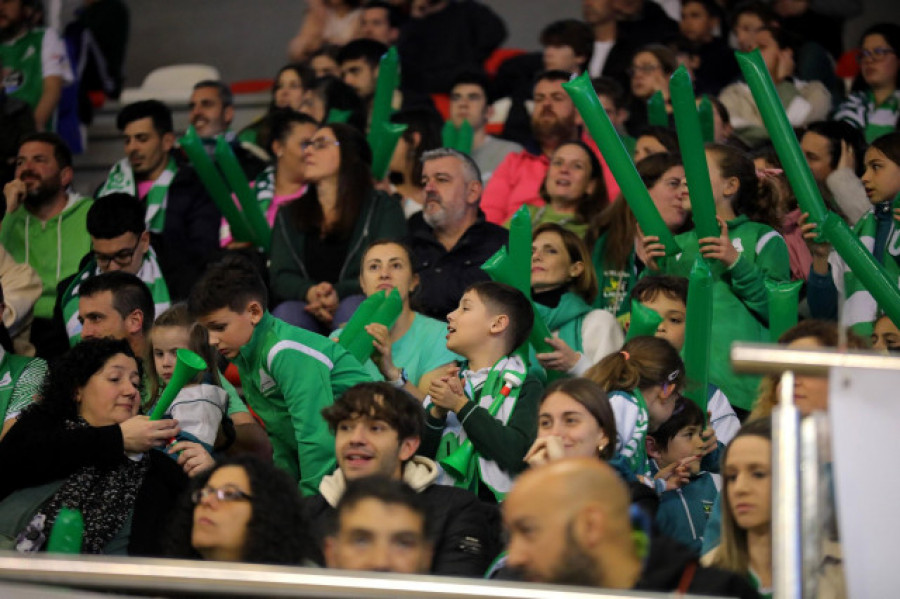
(48, 230)
(212, 110)
(569, 523)
(518, 179)
(182, 219)
(34, 62)
(450, 238)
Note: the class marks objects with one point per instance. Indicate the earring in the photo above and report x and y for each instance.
(600, 448)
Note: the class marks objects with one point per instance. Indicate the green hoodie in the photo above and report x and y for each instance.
(288, 376)
(53, 248)
(740, 300)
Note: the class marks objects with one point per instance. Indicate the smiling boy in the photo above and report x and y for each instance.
(288, 374)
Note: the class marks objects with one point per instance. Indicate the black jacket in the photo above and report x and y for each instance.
(445, 275)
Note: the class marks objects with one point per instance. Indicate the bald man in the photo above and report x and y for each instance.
(569, 523)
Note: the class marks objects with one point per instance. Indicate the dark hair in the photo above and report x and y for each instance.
(686, 413)
(573, 33)
(836, 132)
(385, 490)
(303, 71)
(590, 204)
(889, 145)
(198, 342)
(757, 199)
(225, 95)
(395, 17)
(129, 293)
(753, 7)
(336, 94)
(115, 214)
(231, 283)
(643, 363)
(61, 151)
(154, 110)
(663, 135)
(592, 398)
(277, 531)
(711, 7)
(282, 122)
(386, 241)
(427, 123)
(619, 222)
(607, 86)
(369, 50)
(354, 184)
(479, 78)
(380, 401)
(73, 371)
(551, 75)
(666, 57)
(891, 34)
(329, 50)
(585, 285)
(502, 299)
(648, 288)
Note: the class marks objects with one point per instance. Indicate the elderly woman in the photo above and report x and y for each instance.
(241, 510)
(82, 446)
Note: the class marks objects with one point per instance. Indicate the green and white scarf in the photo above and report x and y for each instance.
(264, 187)
(149, 273)
(482, 387)
(121, 180)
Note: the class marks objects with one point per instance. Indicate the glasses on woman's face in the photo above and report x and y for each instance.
(875, 54)
(320, 143)
(224, 494)
(644, 69)
(122, 258)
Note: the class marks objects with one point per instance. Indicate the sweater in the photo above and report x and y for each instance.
(381, 217)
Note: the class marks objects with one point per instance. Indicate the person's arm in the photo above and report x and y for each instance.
(849, 194)
(748, 279)
(306, 385)
(55, 72)
(46, 106)
(466, 543)
(21, 289)
(310, 35)
(505, 444)
(286, 270)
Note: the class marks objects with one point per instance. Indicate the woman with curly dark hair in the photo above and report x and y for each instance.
(82, 446)
(243, 510)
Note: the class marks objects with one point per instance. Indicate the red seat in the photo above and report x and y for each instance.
(251, 86)
(442, 103)
(848, 64)
(498, 57)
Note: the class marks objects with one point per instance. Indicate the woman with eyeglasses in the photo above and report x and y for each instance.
(243, 510)
(84, 446)
(650, 70)
(874, 105)
(318, 239)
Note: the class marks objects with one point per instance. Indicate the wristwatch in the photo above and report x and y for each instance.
(401, 381)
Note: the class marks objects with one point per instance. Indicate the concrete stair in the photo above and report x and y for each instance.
(104, 145)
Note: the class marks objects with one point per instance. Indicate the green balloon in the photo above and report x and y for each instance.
(698, 332)
(187, 365)
(215, 185)
(67, 534)
(387, 314)
(687, 123)
(656, 110)
(707, 123)
(782, 134)
(383, 138)
(459, 138)
(336, 115)
(234, 176)
(644, 321)
(361, 317)
(619, 161)
(784, 302)
(385, 84)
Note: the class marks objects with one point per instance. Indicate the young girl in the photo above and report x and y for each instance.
(876, 230)
(744, 256)
(746, 545)
(199, 406)
(563, 286)
(643, 381)
(874, 105)
(885, 335)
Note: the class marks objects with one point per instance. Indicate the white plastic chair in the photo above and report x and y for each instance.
(171, 84)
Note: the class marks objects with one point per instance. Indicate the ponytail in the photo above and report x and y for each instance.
(643, 363)
(756, 199)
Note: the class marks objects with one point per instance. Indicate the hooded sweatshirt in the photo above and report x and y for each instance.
(53, 248)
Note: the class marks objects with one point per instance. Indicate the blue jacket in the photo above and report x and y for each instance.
(683, 513)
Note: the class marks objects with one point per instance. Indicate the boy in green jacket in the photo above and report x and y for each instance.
(288, 374)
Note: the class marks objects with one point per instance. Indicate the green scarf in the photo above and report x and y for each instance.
(121, 180)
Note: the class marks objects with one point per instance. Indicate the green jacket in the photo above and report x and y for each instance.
(740, 300)
(381, 217)
(288, 376)
(53, 248)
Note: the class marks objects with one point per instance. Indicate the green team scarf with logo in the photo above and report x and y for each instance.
(121, 180)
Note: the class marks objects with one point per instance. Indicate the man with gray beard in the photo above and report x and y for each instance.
(449, 238)
(44, 223)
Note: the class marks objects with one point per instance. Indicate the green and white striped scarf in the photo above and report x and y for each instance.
(121, 180)
(149, 273)
(264, 187)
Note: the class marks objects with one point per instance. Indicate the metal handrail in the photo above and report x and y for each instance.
(759, 358)
(160, 576)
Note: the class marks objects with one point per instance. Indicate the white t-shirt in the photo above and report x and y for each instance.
(598, 60)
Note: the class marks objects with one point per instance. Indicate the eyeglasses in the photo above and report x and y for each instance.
(646, 69)
(223, 494)
(875, 54)
(122, 258)
(318, 144)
